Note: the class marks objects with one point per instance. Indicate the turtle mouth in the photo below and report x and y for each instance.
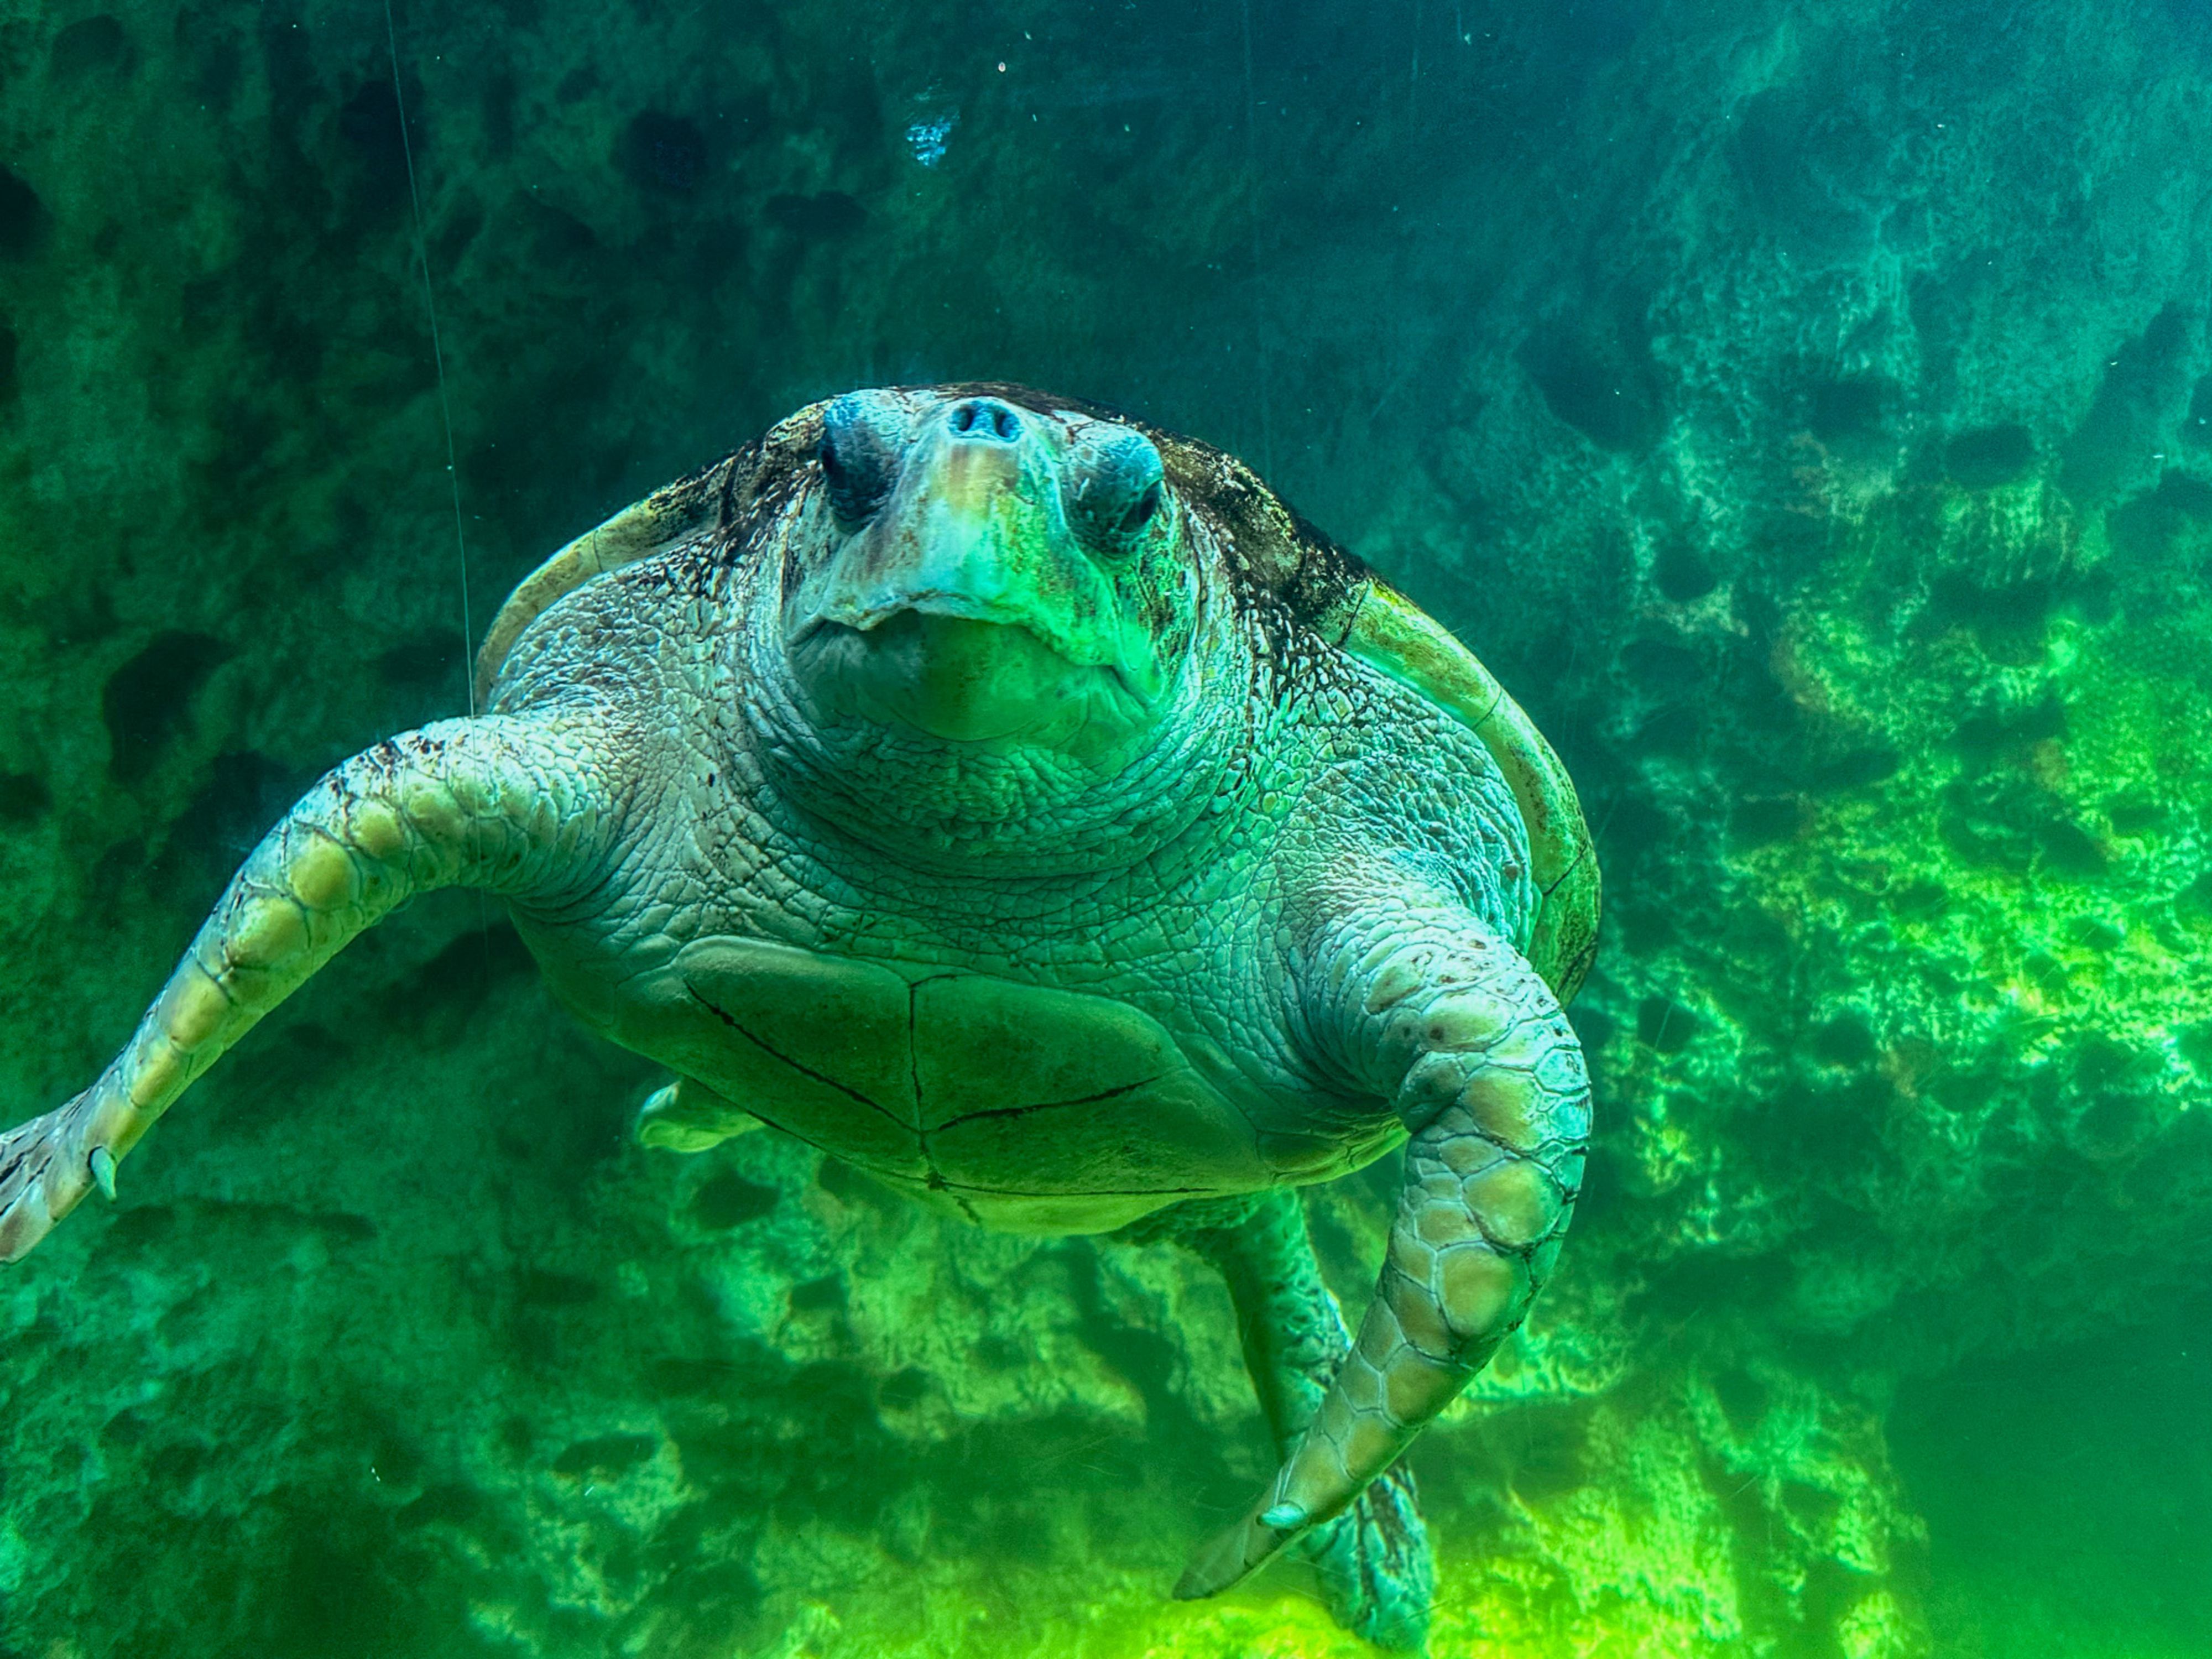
(944, 671)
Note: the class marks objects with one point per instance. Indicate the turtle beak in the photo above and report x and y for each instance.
(975, 532)
(966, 608)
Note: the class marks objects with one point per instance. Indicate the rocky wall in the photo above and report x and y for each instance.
(1807, 409)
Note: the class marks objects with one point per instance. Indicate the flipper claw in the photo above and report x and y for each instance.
(1228, 1557)
(103, 1172)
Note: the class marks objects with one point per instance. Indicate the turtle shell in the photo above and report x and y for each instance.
(1390, 634)
(1292, 576)
(671, 514)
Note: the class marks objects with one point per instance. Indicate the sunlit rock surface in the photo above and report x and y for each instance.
(1807, 410)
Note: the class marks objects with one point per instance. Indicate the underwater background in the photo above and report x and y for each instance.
(1806, 409)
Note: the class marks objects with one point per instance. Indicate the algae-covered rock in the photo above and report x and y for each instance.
(1804, 411)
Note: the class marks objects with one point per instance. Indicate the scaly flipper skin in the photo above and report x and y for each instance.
(495, 802)
(1459, 1032)
(1373, 1559)
(687, 1116)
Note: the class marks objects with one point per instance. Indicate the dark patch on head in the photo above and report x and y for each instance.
(145, 701)
(90, 43)
(1278, 559)
(830, 213)
(1988, 456)
(23, 218)
(663, 152)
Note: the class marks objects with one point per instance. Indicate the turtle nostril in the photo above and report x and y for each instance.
(987, 419)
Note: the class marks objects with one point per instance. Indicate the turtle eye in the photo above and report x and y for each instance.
(1146, 508)
(1117, 490)
(862, 444)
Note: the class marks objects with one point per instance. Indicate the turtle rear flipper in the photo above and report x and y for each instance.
(1375, 1572)
(687, 1116)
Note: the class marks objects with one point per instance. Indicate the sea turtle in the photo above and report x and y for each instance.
(1024, 806)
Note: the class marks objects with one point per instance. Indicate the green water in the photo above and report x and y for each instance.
(1805, 409)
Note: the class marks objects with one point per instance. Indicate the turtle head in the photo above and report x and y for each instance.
(980, 574)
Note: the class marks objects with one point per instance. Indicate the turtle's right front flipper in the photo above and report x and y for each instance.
(510, 804)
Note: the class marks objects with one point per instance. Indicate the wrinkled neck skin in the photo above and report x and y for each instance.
(1000, 805)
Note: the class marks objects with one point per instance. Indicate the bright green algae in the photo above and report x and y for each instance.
(1804, 409)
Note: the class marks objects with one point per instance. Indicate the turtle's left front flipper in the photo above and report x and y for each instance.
(510, 804)
(1434, 1012)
